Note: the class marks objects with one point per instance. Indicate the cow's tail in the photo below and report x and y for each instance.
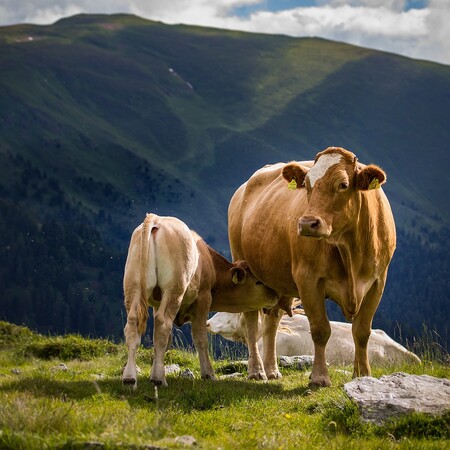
(147, 279)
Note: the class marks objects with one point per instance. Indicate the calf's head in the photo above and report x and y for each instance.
(333, 185)
(245, 291)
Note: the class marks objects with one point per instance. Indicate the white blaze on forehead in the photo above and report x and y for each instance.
(321, 166)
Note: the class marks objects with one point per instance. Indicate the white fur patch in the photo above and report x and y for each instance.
(321, 166)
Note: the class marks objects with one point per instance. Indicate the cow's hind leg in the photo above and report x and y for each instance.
(200, 334)
(164, 316)
(132, 339)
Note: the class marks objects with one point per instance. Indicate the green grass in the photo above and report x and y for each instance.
(85, 406)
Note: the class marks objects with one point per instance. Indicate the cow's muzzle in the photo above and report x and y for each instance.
(313, 227)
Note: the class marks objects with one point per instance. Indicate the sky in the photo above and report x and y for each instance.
(414, 28)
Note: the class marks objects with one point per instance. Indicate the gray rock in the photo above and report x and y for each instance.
(233, 375)
(186, 440)
(60, 367)
(187, 373)
(399, 393)
(172, 369)
(303, 362)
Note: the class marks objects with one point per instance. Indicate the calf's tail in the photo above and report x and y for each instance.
(146, 278)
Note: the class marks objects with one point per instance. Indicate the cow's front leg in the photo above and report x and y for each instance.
(132, 339)
(361, 329)
(270, 323)
(200, 335)
(255, 363)
(164, 316)
(320, 332)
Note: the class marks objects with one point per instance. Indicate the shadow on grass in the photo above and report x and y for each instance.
(184, 394)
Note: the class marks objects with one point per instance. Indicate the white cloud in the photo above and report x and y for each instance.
(396, 5)
(343, 20)
(435, 45)
(382, 24)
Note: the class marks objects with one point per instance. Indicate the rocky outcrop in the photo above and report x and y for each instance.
(399, 393)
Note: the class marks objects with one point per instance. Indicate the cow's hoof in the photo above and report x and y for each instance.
(129, 382)
(319, 382)
(257, 376)
(275, 375)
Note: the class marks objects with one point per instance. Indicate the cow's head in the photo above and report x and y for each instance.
(228, 325)
(332, 186)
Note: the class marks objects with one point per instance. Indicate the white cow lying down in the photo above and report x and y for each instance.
(294, 338)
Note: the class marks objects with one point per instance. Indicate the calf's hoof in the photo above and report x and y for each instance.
(275, 375)
(209, 377)
(130, 382)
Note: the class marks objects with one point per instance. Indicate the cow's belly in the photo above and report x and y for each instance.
(273, 268)
(265, 244)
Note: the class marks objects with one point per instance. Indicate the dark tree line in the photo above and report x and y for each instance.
(61, 277)
(58, 277)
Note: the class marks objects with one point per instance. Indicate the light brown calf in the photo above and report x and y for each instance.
(170, 268)
(316, 230)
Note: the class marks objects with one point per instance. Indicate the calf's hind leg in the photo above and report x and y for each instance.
(132, 339)
(164, 316)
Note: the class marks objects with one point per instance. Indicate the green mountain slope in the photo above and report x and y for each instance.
(103, 118)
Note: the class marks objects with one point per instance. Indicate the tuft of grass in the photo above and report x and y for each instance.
(11, 334)
(342, 416)
(70, 347)
(418, 426)
(430, 346)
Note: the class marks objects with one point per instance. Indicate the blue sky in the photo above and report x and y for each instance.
(414, 28)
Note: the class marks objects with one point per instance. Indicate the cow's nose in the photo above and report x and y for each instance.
(308, 226)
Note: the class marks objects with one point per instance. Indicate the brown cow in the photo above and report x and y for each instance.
(170, 268)
(315, 231)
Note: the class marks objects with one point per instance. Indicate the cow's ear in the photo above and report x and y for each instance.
(370, 177)
(294, 174)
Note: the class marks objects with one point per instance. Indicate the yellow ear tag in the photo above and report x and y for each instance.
(374, 184)
(235, 278)
(292, 185)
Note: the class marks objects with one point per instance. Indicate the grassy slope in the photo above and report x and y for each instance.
(42, 405)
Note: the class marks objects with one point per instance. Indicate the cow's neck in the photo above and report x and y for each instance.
(353, 245)
(352, 302)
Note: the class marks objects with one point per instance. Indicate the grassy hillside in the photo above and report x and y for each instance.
(103, 118)
(66, 392)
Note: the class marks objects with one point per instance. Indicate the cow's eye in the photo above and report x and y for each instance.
(343, 186)
(258, 283)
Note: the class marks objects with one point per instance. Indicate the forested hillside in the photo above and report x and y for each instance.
(103, 118)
